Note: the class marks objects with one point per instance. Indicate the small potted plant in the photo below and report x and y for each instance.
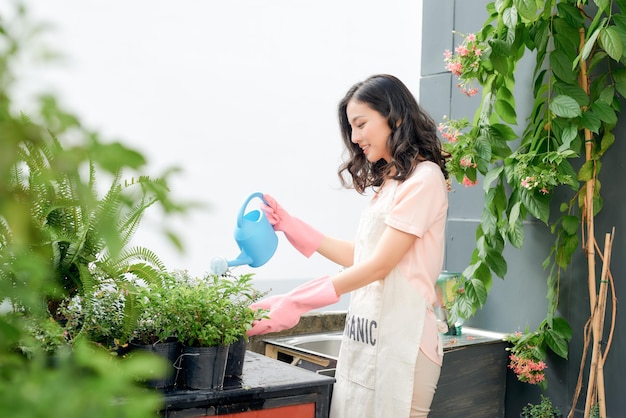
(211, 313)
(97, 314)
(544, 409)
(155, 329)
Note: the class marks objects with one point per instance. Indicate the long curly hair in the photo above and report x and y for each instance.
(413, 134)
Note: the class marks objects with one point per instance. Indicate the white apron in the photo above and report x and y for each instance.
(381, 340)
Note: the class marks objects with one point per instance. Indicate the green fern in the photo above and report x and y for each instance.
(76, 229)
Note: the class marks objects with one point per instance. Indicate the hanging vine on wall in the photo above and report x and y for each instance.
(575, 109)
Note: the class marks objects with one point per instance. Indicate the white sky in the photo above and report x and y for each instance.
(240, 94)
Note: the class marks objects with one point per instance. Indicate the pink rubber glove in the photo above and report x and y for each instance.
(285, 310)
(301, 235)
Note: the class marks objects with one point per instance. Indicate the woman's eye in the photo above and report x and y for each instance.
(360, 125)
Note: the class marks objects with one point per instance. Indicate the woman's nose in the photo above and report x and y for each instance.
(354, 137)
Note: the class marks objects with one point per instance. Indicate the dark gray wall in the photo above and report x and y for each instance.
(518, 301)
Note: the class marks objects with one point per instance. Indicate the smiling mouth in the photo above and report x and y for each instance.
(365, 149)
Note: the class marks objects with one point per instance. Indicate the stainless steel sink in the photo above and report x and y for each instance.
(326, 345)
(323, 344)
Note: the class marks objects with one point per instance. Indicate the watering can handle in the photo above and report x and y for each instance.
(245, 205)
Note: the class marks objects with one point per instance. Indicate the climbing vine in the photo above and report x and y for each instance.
(578, 81)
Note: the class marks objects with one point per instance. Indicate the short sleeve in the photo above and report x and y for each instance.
(420, 200)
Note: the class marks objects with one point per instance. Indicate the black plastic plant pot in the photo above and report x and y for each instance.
(236, 357)
(204, 367)
(170, 351)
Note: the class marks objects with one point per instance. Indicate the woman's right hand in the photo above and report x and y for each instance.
(301, 235)
(285, 310)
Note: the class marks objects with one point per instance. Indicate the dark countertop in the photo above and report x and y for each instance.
(262, 378)
(471, 336)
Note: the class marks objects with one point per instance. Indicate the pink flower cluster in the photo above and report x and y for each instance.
(530, 183)
(469, 183)
(527, 370)
(467, 162)
(449, 133)
(464, 63)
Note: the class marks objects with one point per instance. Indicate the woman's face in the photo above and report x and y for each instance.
(370, 131)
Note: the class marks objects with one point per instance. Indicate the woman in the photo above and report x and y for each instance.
(391, 352)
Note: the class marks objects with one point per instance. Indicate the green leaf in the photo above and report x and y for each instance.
(505, 111)
(603, 5)
(607, 95)
(570, 224)
(477, 291)
(464, 306)
(496, 263)
(568, 247)
(557, 335)
(605, 112)
(568, 173)
(586, 171)
(499, 151)
(500, 5)
(560, 64)
(589, 45)
(499, 198)
(570, 13)
(514, 213)
(499, 56)
(509, 17)
(619, 78)
(598, 57)
(488, 221)
(527, 9)
(515, 233)
(483, 151)
(492, 175)
(591, 121)
(536, 205)
(115, 156)
(612, 43)
(565, 107)
(569, 134)
(556, 343)
(483, 273)
(562, 327)
(566, 37)
(502, 131)
(607, 140)
(574, 91)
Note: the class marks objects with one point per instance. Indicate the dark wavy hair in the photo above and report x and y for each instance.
(413, 134)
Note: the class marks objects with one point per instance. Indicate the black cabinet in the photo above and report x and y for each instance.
(473, 380)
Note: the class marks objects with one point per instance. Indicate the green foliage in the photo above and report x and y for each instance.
(59, 239)
(576, 91)
(528, 350)
(78, 232)
(544, 409)
(212, 310)
(155, 322)
(86, 381)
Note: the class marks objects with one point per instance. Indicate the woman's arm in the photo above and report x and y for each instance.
(389, 251)
(338, 251)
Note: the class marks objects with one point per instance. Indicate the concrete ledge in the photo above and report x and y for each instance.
(309, 323)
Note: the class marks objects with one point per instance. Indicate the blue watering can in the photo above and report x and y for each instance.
(255, 237)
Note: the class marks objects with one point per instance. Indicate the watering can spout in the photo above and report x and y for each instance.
(241, 260)
(255, 237)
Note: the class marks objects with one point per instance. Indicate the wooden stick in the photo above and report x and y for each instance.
(589, 245)
(608, 245)
(579, 382)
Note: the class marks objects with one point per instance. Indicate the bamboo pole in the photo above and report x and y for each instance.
(608, 246)
(589, 243)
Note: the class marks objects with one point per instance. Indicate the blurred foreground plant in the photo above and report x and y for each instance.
(58, 238)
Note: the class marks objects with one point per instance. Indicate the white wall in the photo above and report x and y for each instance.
(240, 94)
